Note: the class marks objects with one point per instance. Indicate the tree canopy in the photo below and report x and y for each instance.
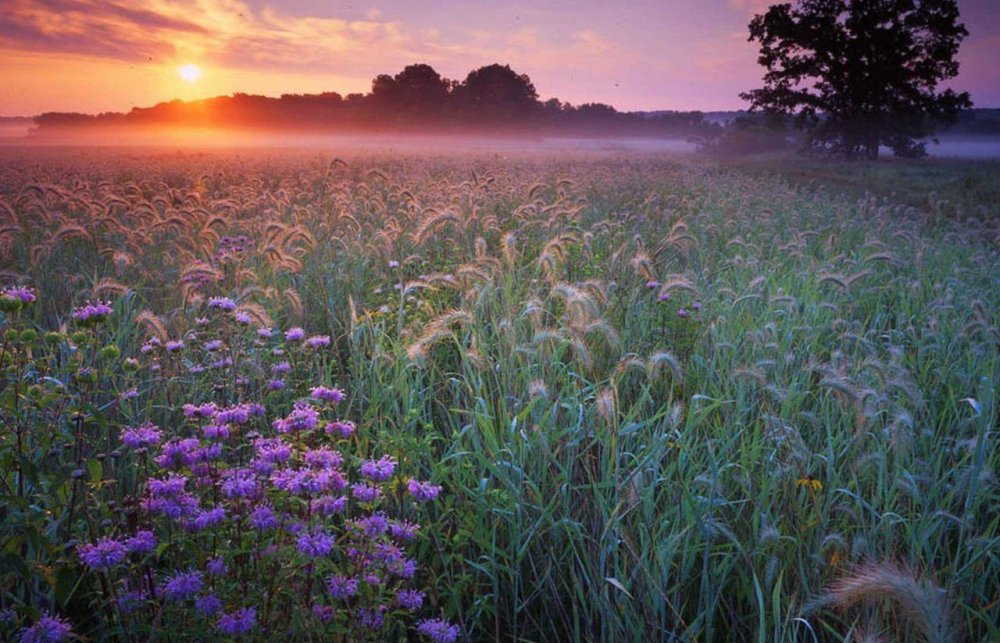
(860, 74)
(493, 99)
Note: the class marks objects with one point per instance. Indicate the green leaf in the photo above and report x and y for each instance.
(95, 470)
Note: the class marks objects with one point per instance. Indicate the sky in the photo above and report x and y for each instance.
(111, 55)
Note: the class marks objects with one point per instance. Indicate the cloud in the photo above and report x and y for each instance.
(220, 32)
(751, 6)
(231, 34)
(244, 45)
(93, 28)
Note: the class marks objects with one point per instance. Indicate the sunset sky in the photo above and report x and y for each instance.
(111, 55)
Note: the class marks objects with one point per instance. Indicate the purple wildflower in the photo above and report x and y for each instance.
(366, 493)
(307, 482)
(182, 586)
(177, 453)
(222, 303)
(410, 599)
(272, 450)
(215, 431)
(314, 545)
(334, 395)
(21, 294)
(174, 345)
(239, 622)
(342, 587)
(403, 530)
(141, 543)
(318, 341)
(172, 485)
(323, 458)
(146, 435)
(90, 313)
(104, 554)
(216, 566)
(208, 605)
(130, 600)
(372, 618)
(406, 570)
(438, 630)
(295, 334)
(323, 612)
(329, 505)
(208, 518)
(203, 411)
(264, 332)
(378, 470)
(239, 483)
(263, 518)
(239, 414)
(373, 525)
(302, 418)
(344, 428)
(48, 629)
(423, 491)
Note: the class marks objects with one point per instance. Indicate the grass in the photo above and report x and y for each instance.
(945, 187)
(788, 461)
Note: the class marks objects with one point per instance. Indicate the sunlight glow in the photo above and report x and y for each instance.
(190, 73)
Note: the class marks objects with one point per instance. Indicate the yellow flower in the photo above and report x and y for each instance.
(812, 483)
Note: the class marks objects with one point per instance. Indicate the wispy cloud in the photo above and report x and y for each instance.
(751, 6)
(95, 28)
(230, 33)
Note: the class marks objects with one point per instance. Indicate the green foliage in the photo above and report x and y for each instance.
(858, 74)
(612, 470)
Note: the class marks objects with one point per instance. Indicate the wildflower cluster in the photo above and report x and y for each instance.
(13, 298)
(255, 515)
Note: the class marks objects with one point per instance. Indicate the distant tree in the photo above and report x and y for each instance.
(422, 86)
(384, 87)
(858, 74)
(413, 97)
(497, 93)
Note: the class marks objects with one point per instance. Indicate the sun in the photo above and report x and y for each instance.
(190, 73)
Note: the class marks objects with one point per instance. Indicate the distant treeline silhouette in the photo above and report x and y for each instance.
(491, 99)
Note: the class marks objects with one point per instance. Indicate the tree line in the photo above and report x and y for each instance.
(491, 99)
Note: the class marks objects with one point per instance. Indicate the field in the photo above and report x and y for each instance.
(625, 398)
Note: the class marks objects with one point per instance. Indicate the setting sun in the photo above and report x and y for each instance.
(190, 73)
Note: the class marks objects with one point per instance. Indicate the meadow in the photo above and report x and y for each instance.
(591, 397)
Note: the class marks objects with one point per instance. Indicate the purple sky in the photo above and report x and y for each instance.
(100, 55)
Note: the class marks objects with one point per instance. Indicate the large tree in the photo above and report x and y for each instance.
(858, 74)
(498, 94)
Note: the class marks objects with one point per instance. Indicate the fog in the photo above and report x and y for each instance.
(358, 143)
(18, 135)
(966, 147)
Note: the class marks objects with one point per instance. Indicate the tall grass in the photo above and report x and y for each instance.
(613, 469)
